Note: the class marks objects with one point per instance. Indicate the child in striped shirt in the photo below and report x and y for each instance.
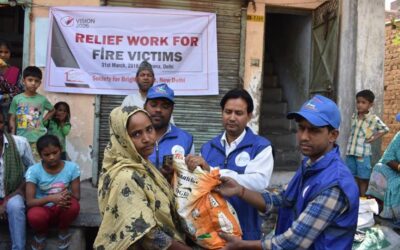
(365, 129)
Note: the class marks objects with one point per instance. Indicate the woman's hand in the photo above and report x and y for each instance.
(193, 161)
(229, 187)
(167, 169)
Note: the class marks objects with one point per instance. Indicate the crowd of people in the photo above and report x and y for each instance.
(318, 208)
(37, 183)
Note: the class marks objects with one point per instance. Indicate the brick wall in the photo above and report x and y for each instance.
(391, 97)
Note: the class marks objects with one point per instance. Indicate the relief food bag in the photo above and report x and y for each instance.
(203, 212)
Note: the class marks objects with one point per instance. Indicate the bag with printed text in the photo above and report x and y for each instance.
(203, 212)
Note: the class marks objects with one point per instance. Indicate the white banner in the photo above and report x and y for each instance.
(97, 50)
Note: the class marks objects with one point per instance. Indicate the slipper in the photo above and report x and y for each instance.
(64, 240)
(38, 243)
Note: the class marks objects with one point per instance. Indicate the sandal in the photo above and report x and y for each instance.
(38, 242)
(64, 240)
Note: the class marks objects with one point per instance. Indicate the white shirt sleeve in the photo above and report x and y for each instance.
(258, 172)
(24, 150)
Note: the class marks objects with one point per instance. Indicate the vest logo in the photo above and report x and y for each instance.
(178, 149)
(242, 159)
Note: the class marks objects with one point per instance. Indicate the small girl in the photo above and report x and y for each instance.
(52, 193)
(59, 125)
(9, 79)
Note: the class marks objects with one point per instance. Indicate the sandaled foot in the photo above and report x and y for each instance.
(38, 242)
(64, 240)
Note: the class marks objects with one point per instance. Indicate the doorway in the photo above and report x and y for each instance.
(12, 31)
(287, 66)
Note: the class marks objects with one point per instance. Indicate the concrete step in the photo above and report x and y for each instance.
(280, 178)
(274, 108)
(271, 81)
(83, 228)
(287, 157)
(277, 122)
(78, 241)
(281, 139)
(272, 95)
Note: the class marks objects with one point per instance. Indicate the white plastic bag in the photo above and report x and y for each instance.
(366, 211)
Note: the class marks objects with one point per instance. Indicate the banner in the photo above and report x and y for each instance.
(97, 50)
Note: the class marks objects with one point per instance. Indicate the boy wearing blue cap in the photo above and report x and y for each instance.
(365, 129)
(319, 208)
(169, 138)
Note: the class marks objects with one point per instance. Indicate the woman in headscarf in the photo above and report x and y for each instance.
(384, 183)
(135, 200)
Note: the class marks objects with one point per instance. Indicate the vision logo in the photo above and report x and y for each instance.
(67, 21)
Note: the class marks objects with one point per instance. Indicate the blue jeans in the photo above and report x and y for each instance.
(17, 221)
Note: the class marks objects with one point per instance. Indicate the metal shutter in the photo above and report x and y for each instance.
(199, 115)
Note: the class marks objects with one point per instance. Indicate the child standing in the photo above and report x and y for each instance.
(59, 125)
(365, 129)
(52, 193)
(27, 110)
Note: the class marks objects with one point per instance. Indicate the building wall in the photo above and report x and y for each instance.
(360, 61)
(391, 104)
(80, 139)
(370, 56)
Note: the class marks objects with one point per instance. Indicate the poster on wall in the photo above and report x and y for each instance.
(97, 50)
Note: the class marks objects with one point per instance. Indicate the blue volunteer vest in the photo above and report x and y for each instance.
(214, 153)
(308, 183)
(176, 139)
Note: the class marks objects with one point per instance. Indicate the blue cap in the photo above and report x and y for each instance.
(319, 111)
(161, 91)
(398, 117)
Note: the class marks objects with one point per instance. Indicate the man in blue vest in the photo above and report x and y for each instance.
(170, 139)
(319, 208)
(240, 154)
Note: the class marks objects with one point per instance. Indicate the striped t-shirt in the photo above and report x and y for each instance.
(361, 131)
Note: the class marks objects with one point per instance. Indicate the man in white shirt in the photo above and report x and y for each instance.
(145, 80)
(241, 155)
(16, 156)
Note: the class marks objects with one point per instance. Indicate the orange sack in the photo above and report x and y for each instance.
(203, 212)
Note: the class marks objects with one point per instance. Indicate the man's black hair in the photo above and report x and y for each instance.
(367, 94)
(32, 71)
(238, 93)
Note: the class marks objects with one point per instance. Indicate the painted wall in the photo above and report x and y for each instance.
(288, 43)
(346, 69)
(80, 139)
(361, 60)
(254, 54)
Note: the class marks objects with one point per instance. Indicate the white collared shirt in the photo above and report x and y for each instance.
(258, 171)
(24, 151)
(135, 99)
